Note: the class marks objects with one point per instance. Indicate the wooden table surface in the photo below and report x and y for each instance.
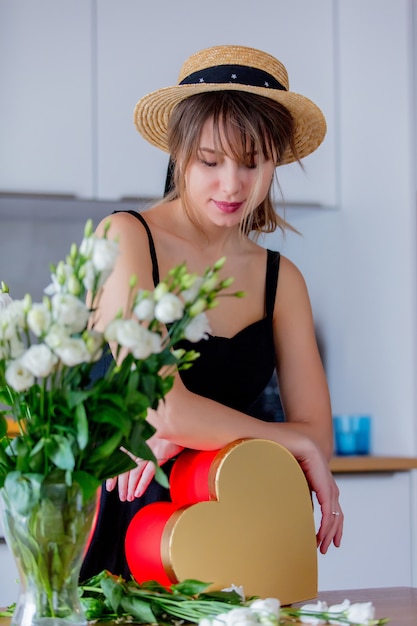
(399, 604)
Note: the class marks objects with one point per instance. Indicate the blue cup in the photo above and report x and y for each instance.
(352, 434)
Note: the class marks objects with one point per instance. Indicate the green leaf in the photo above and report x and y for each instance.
(93, 608)
(106, 448)
(113, 590)
(81, 425)
(139, 609)
(59, 450)
(23, 491)
(190, 587)
(88, 483)
(3, 425)
(161, 477)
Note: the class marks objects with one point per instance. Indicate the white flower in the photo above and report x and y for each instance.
(318, 607)
(73, 351)
(94, 343)
(127, 333)
(88, 275)
(69, 311)
(198, 328)
(241, 616)
(169, 308)
(39, 319)
(39, 360)
(5, 300)
(193, 290)
(267, 610)
(56, 336)
(361, 613)
(86, 247)
(104, 255)
(59, 279)
(134, 337)
(18, 377)
(150, 344)
(144, 308)
(13, 318)
(16, 347)
(160, 290)
(337, 609)
(198, 307)
(237, 589)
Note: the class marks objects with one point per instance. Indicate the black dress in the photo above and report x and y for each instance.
(231, 371)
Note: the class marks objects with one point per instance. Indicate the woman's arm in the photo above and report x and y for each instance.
(302, 382)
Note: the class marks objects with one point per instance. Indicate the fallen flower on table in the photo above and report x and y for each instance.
(106, 597)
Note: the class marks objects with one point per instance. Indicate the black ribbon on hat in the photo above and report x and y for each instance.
(233, 74)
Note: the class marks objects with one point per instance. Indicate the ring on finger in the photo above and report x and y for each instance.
(335, 513)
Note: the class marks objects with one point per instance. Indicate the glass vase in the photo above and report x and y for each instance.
(48, 534)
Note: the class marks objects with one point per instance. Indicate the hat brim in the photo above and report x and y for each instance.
(152, 113)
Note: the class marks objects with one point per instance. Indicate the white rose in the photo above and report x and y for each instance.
(18, 377)
(361, 613)
(69, 311)
(73, 351)
(318, 607)
(267, 610)
(169, 308)
(39, 319)
(198, 328)
(5, 300)
(39, 360)
(104, 255)
(144, 308)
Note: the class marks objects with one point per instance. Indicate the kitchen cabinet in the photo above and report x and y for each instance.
(75, 71)
(46, 80)
(378, 546)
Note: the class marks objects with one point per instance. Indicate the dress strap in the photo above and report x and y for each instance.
(152, 251)
(272, 270)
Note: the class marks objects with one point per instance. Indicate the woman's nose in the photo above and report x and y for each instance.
(231, 181)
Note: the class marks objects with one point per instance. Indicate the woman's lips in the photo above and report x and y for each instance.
(228, 207)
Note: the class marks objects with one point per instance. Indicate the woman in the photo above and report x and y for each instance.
(227, 125)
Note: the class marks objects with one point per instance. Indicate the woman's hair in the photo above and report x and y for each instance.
(264, 128)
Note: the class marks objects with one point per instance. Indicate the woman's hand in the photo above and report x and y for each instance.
(321, 481)
(132, 484)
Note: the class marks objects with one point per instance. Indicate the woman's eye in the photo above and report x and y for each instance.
(208, 163)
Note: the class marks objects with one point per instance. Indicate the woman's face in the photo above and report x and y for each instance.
(218, 186)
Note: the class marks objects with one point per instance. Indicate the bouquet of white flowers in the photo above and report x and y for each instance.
(69, 422)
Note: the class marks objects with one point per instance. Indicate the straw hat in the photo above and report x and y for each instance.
(234, 68)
